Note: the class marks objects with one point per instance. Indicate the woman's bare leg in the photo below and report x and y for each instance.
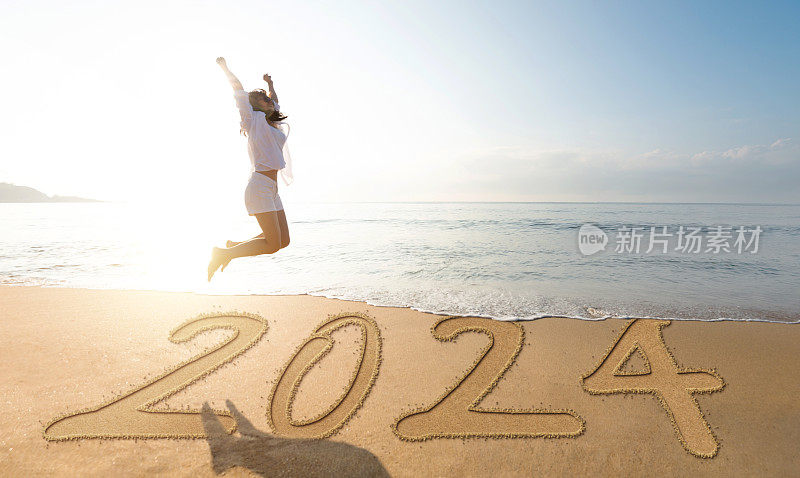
(284, 233)
(233, 243)
(230, 244)
(270, 244)
(284, 228)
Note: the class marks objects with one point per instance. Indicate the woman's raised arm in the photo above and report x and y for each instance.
(273, 96)
(235, 83)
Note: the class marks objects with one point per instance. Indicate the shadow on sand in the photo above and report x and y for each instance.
(269, 455)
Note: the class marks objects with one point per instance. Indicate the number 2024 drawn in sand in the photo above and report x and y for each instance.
(454, 415)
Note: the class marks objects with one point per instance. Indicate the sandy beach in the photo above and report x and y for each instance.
(313, 386)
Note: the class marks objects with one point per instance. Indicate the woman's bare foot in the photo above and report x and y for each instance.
(225, 264)
(218, 258)
(228, 244)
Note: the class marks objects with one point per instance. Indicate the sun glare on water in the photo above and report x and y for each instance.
(171, 244)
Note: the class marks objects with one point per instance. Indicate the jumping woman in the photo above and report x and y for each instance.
(266, 145)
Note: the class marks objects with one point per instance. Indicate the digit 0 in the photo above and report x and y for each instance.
(310, 352)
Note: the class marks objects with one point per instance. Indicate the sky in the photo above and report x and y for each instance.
(407, 101)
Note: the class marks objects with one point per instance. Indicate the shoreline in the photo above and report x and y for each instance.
(76, 349)
(792, 321)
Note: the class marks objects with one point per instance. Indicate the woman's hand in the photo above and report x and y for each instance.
(235, 83)
(272, 94)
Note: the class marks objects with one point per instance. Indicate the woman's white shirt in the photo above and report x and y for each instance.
(266, 145)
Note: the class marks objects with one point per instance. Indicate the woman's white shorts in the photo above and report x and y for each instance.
(261, 194)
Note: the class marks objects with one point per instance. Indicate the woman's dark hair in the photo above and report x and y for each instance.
(255, 94)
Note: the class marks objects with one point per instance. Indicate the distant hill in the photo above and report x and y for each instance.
(14, 193)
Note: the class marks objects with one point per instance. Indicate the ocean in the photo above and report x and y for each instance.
(507, 261)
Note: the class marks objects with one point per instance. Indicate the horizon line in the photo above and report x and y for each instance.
(515, 202)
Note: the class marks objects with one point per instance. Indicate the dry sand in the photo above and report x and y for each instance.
(409, 393)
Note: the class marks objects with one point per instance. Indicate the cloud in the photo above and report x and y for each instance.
(749, 173)
(780, 151)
